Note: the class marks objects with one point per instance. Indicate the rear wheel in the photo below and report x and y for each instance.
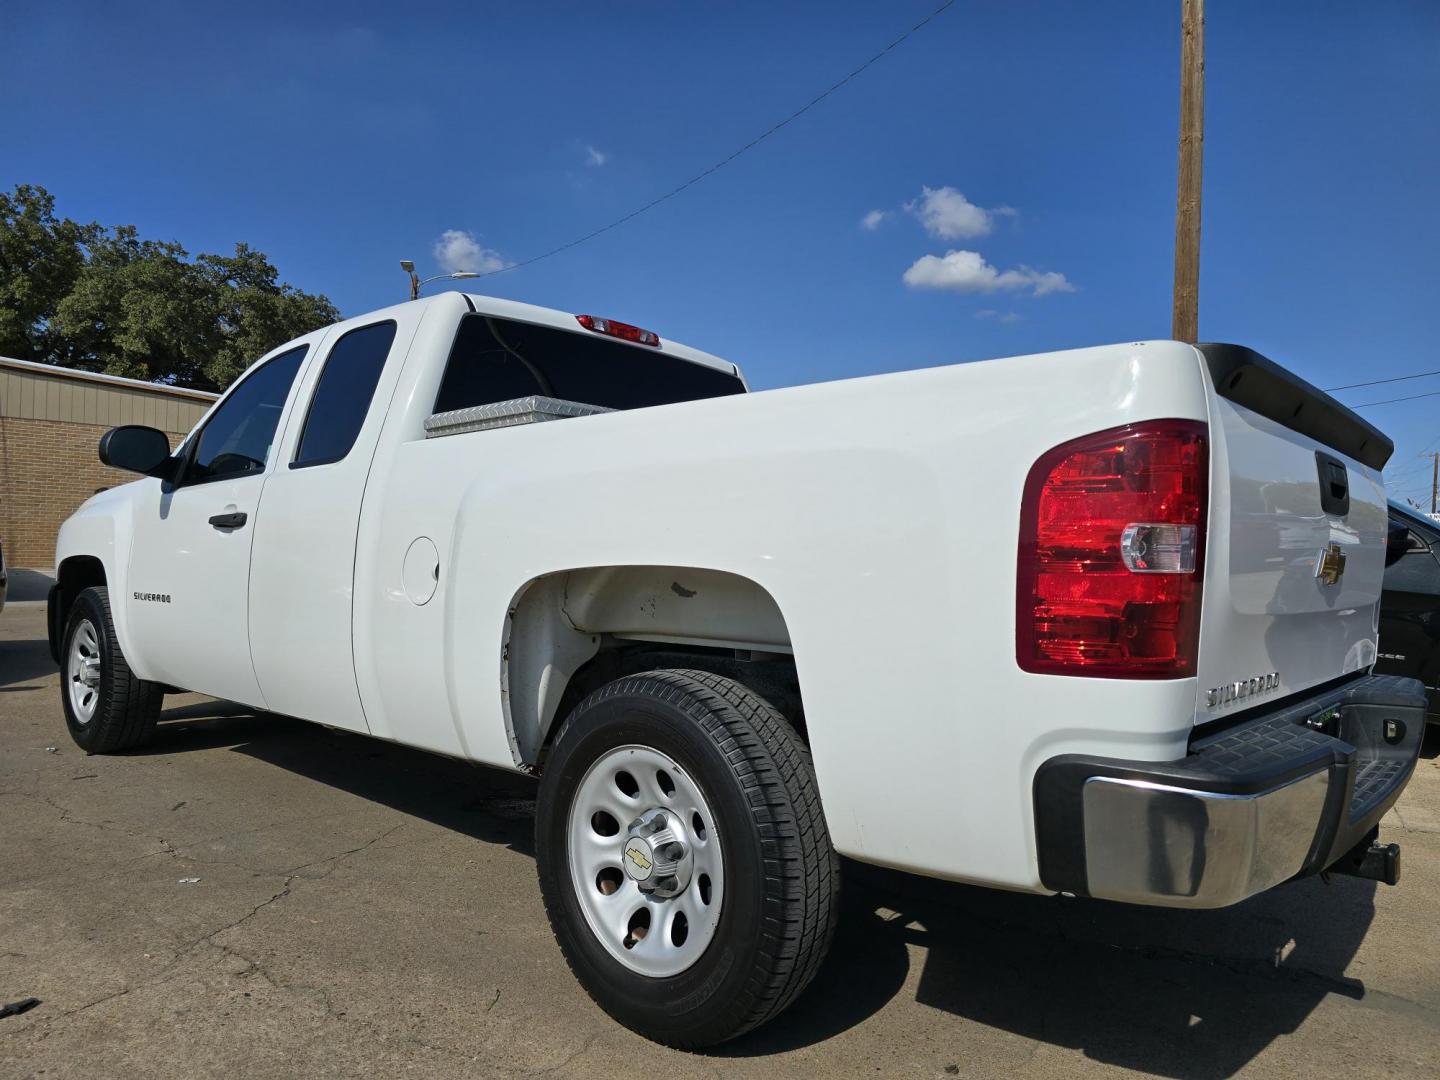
(683, 858)
(106, 707)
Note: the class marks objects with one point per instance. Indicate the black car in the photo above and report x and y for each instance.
(1410, 605)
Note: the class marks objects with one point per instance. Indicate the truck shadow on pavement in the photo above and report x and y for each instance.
(28, 586)
(488, 804)
(1180, 994)
(24, 662)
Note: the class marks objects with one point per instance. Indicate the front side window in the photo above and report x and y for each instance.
(238, 437)
(343, 393)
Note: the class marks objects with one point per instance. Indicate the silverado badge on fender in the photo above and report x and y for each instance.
(1330, 564)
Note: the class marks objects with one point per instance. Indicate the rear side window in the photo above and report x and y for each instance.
(500, 359)
(237, 438)
(343, 393)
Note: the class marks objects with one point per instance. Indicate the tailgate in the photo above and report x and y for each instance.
(1296, 537)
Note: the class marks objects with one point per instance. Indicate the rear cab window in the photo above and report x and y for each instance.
(343, 393)
(496, 359)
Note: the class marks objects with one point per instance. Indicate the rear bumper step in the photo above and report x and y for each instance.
(1283, 794)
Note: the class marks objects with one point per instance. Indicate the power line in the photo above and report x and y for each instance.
(1431, 445)
(1419, 458)
(1409, 470)
(725, 161)
(1391, 401)
(1377, 382)
(1404, 478)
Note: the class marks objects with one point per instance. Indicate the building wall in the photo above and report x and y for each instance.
(72, 397)
(50, 426)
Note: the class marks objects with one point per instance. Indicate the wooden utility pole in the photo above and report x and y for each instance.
(1185, 320)
(1434, 479)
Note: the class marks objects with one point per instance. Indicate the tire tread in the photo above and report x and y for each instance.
(128, 713)
(801, 869)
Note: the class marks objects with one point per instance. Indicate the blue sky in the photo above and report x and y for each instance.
(342, 139)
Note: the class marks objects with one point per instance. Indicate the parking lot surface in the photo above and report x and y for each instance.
(254, 896)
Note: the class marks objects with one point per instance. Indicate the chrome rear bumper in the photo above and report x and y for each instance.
(1277, 795)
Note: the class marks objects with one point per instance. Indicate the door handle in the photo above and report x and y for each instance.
(229, 521)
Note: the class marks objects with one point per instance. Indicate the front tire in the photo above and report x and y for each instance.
(683, 857)
(107, 709)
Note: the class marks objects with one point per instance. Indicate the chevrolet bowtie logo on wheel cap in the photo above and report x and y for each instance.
(639, 859)
(1330, 564)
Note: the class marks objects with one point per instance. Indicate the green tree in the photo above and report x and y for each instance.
(40, 257)
(254, 312)
(137, 309)
(140, 308)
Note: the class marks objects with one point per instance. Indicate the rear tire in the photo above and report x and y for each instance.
(107, 709)
(758, 879)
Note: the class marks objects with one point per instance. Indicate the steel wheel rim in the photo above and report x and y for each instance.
(82, 672)
(677, 928)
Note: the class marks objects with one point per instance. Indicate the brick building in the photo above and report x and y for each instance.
(51, 420)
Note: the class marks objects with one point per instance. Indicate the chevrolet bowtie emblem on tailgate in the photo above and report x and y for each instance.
(1330, 564)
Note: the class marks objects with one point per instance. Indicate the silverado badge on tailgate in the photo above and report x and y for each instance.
(1238, 691)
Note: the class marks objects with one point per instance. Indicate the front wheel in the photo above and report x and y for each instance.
(684, 861)
(106, 707)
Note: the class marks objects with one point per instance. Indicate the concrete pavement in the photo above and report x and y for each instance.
(363, 910)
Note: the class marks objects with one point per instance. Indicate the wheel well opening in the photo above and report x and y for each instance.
(75, 575)
(771, 675)
(72, 577)
(571, 632)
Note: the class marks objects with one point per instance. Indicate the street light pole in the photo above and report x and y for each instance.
(415, 283)
(409, 267)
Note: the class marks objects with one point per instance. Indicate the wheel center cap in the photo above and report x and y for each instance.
(90, 671)
(656, 855)
(639, 859)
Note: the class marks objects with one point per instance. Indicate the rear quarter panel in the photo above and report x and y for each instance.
(882, 516)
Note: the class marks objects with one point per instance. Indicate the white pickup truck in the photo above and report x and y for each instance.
(1098, 622)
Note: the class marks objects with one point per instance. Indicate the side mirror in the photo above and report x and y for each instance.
(136, 449)
(1398, 540)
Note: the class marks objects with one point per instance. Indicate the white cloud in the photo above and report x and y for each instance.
(458, 251)
(968, 272)
(1044, 282)
(595, 158)
(991, 313)
(874, 219)
(948, 214)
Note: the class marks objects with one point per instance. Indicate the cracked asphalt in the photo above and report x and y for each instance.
(253, 896)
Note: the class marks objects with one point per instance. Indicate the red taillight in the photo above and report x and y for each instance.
(622, 330)
(1112, 531)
